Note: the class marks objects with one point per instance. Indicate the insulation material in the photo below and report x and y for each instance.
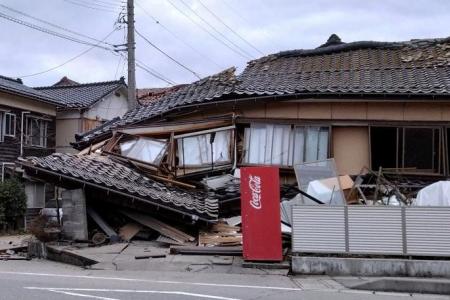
(436, 194)
(198, 150)
(144, 149)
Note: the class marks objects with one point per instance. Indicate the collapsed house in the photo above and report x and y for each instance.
(369, 105)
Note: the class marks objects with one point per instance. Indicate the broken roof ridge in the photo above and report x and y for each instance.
(351, 46)
(87, 84)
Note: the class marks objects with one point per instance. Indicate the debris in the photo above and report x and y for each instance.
(436, 194)
(149, 256)
(99, 238)
(221, 234)
(167, 240)
(111, 234)
(197, 250)
(159, 226)
(129, 230)
(234, 221)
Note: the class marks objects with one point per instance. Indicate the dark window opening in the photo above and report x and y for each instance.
(410, 149)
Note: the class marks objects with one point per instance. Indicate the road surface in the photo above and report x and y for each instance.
(43, 280)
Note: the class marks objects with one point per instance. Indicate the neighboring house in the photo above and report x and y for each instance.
(27, 121)
(374, 104)
(84, 107)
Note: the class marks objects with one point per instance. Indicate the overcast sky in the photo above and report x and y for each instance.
(255, 26)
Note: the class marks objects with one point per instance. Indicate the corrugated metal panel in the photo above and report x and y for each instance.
(428, 230)
(375, 229)
(318, 229)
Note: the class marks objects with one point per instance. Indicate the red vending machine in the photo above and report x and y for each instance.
(260, 209)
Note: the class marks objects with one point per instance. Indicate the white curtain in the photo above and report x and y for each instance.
(196, 150)
(144, 149)
(268, 144)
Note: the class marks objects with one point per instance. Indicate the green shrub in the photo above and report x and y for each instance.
(13, 202)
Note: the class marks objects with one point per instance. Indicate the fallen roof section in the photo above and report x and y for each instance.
(101, 172)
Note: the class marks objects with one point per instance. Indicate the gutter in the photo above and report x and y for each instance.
(194, 217)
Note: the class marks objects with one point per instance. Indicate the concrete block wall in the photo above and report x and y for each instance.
(74, 215)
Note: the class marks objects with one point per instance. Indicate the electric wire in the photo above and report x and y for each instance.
(248, 55)
(52, 24)
(50, 32)
(229, 27)
(91, 7)
(167, 55)
(67, 61)
(176, 36)
(206, 30)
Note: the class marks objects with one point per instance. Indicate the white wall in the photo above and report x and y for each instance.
(108, 108)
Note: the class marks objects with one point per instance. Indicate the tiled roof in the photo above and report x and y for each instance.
(15, 86)
(206, 89)
(416, 67)
(102, 171)
(149, 95)
(65, 81)
(81, 95)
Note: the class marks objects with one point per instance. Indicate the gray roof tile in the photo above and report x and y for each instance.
(15, 86)
(107, 173)
(81, 95)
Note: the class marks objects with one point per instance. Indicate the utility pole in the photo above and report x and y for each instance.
(131, 47)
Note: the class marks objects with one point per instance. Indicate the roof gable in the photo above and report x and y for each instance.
(82, 95)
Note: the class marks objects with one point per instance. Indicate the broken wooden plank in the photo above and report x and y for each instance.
(167, 240)
(129, 230)
(113, 237)
(159, 226)
(194, 250)
(150, 256)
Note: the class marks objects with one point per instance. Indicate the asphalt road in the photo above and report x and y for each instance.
(42, 280)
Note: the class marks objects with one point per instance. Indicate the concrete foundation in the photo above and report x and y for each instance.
(338, 266)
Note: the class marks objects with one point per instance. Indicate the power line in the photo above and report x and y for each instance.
(51, 24)
(95, 4)
(154, 73)
(51, 32)
(248, 55)
(167, 55)
(177, 36)
(229, 27)
(67, 61)
(91, 7)
(206, 30)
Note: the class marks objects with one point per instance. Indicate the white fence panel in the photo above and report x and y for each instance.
(318, 229)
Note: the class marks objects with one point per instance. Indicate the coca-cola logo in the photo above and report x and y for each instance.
(254, 183)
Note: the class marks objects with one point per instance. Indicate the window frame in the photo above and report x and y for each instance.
(13, 121)
(440, 152)
(42, 139)
(292, 142)
(214, 165)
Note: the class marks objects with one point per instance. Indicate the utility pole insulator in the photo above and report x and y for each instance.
(131, 45)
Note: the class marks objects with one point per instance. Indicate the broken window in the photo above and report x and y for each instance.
(36, 132)
(144, 149)
(408, 148)
(273, 144)
(205, 149)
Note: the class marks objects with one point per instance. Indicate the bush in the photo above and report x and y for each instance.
(13, 202)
